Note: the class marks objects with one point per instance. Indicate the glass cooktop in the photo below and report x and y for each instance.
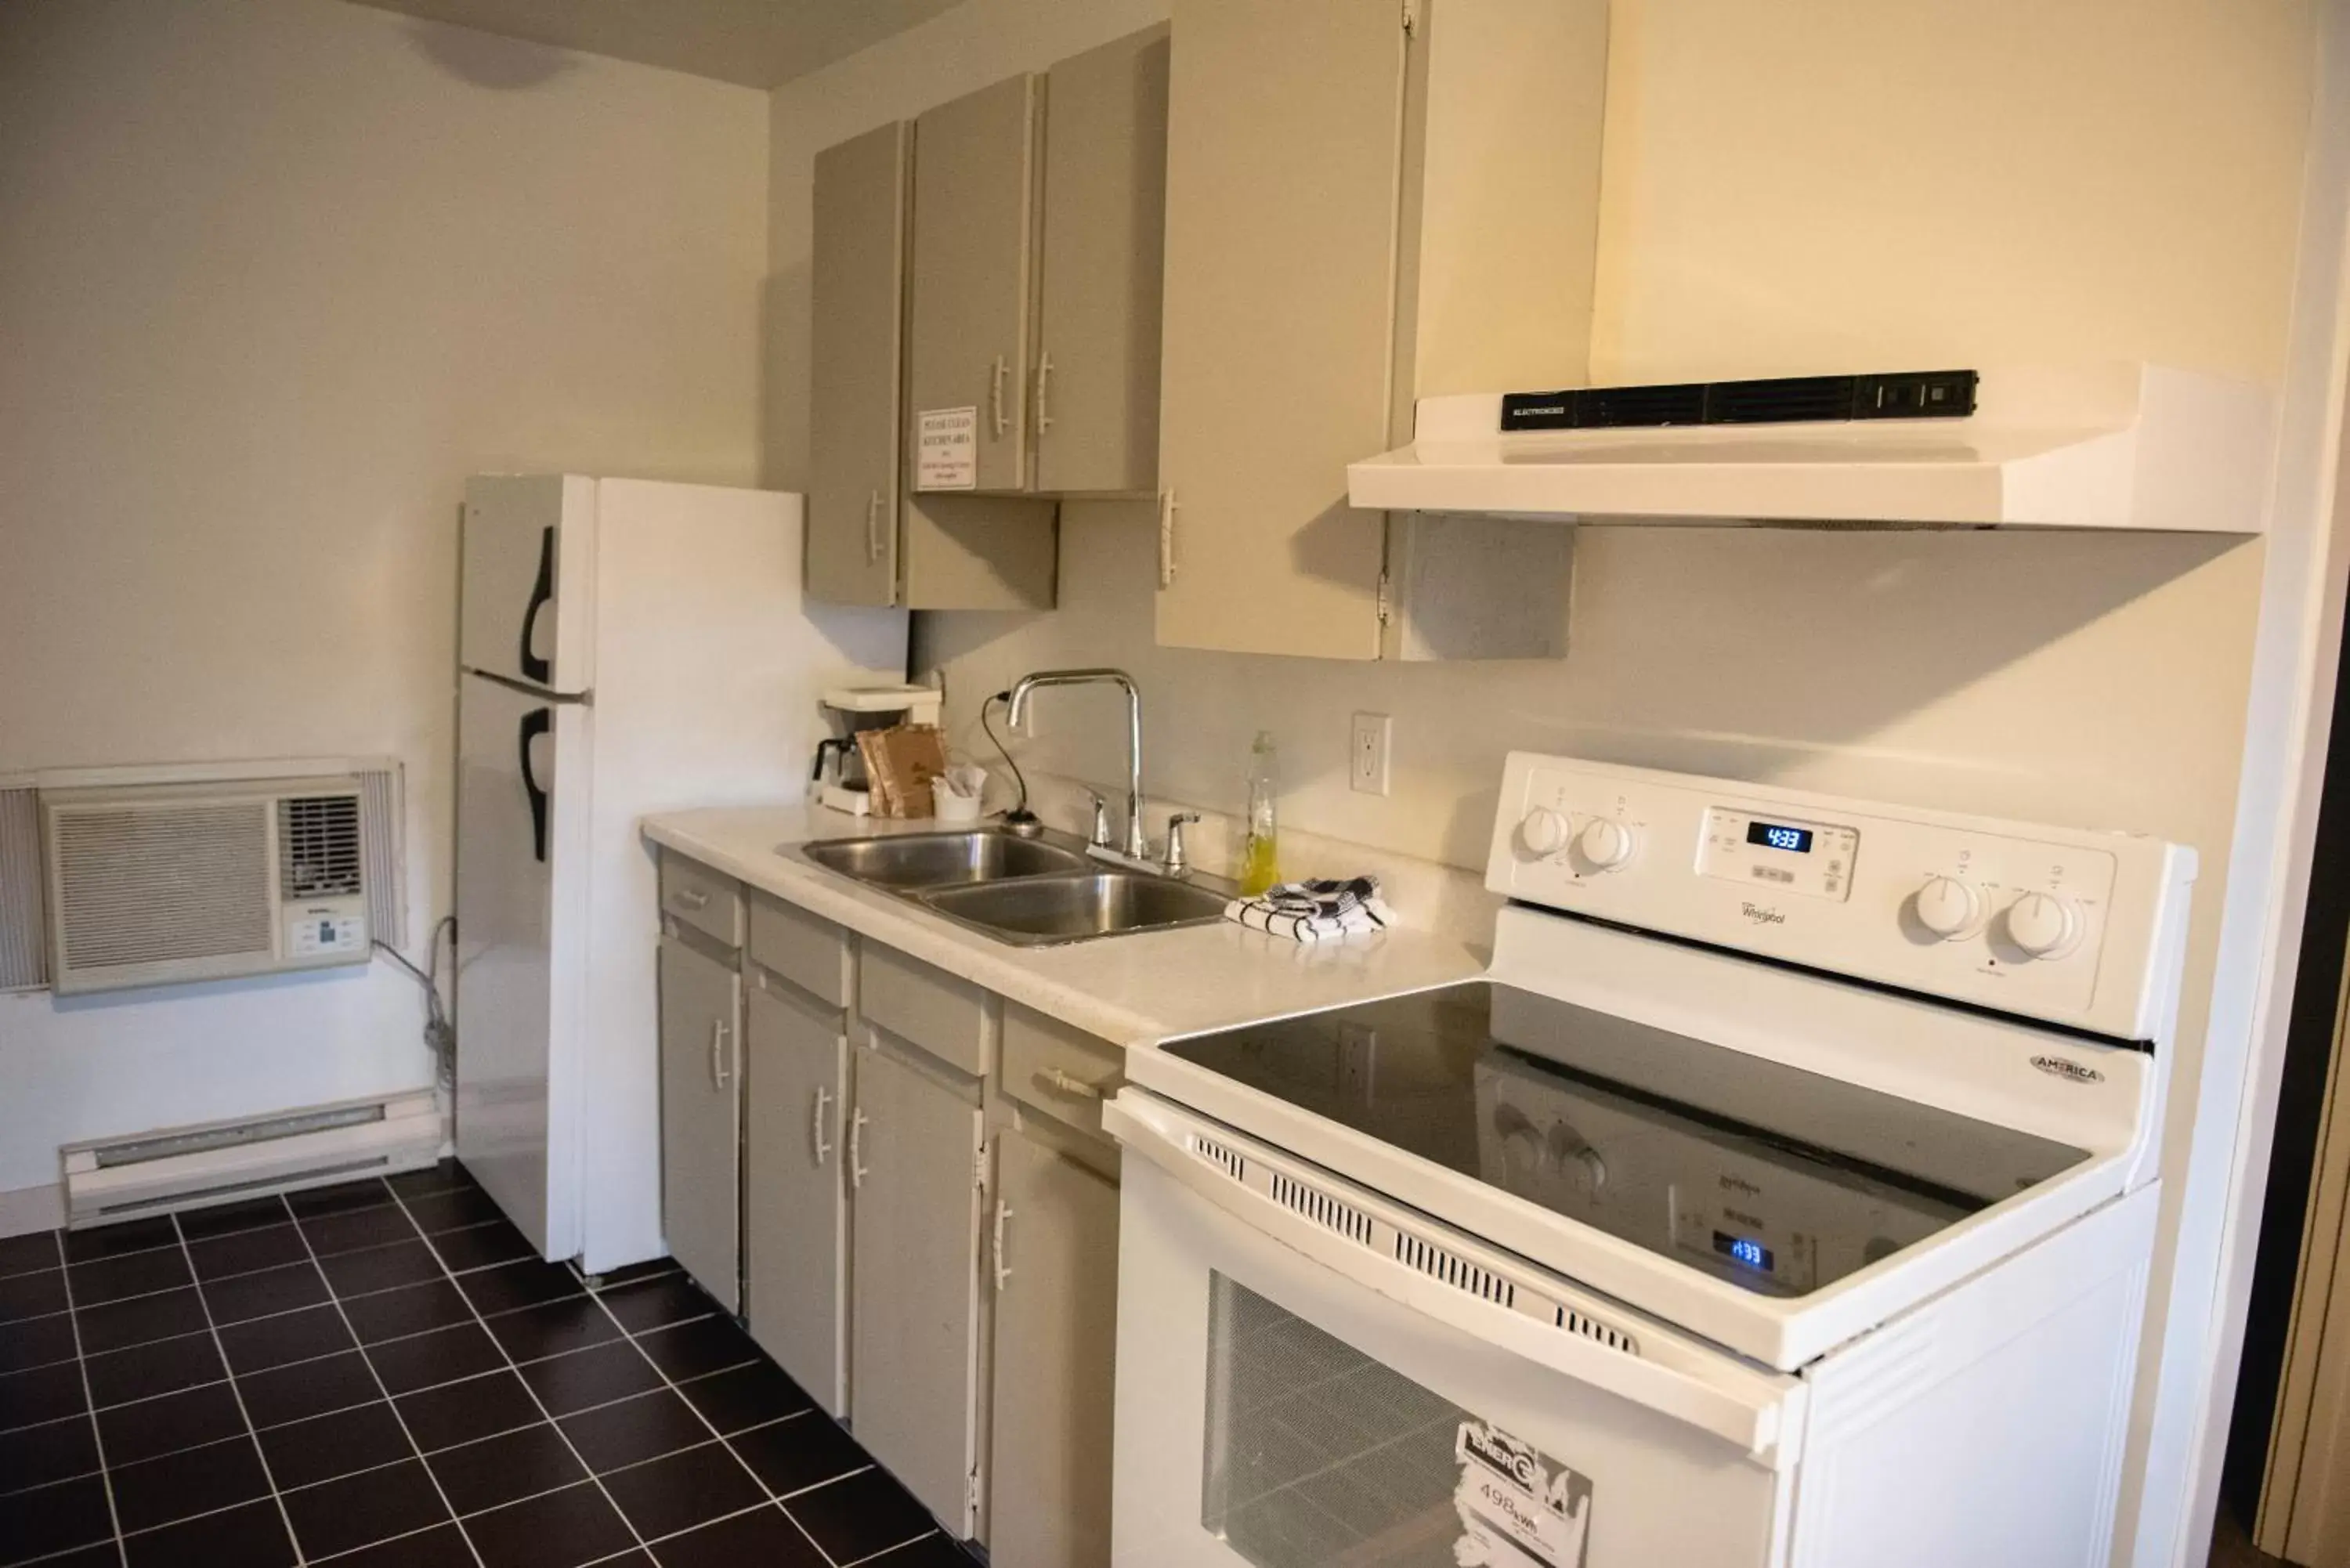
(1777, 1179)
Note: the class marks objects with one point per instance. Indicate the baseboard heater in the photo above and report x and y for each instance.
(221, 1162)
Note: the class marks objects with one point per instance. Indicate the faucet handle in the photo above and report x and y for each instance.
(1178, 863)
(1102, 838)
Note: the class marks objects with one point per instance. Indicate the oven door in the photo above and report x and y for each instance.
(1309, 1376)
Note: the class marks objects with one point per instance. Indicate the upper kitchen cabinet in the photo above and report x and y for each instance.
(869, 541)
(1365, 201)
(1039, 206)
(1097, 384)
(974, 278)
(858, 276)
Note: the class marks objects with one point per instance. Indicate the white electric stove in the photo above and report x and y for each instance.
(1783, 1195)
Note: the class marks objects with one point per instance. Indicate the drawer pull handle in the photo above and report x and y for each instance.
(691, 898)
(873, 526)
(856, 1171)
(1067, 1084)
(1003, 1269)
(995, 375)
(1043, 381)
(823, 1149)
(719, 1075)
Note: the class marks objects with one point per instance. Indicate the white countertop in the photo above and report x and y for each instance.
(1130, 988)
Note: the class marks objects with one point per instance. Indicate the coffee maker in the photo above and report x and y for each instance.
(839, 775)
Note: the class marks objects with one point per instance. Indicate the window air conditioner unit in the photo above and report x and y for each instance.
(160, 884)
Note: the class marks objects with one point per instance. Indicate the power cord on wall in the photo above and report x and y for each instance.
(1019, 812)
(440, 1034)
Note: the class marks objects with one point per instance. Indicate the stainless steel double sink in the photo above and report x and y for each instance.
(1030, 892)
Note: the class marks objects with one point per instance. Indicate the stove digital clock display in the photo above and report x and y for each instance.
(1778, 835)
(1743, 1249)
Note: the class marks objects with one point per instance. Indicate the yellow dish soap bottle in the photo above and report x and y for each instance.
(1261, 851)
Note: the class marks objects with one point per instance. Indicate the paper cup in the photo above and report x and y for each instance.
(948, 807)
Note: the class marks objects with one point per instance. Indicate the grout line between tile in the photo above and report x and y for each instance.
(886, 1551)
(129, 1535)
(96, 1436)
(414, 1448)
(828, 1480)
(403, 1535)
(237, 1394)
(581, 1459)
(671, 1383)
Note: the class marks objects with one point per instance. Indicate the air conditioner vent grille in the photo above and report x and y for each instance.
(318, 845)
(148, 885)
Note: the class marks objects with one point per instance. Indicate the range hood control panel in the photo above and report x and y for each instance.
(2047, 922)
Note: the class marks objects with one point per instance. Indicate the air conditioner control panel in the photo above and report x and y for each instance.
(2049, 922)
(323, 928)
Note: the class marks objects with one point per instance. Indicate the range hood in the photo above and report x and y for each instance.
(2113, 447)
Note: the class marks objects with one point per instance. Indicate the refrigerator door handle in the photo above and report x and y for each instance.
(534, 723)
(542, 594)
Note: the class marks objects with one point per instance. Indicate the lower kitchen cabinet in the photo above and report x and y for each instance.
(914, 1150)
(900, 1180)
(1056, 1278)
(794, 1192)
(701, 1079)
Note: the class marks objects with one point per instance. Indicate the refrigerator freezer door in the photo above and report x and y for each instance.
(528, 594)
(516, 951)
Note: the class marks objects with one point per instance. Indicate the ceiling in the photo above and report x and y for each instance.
(754, 43)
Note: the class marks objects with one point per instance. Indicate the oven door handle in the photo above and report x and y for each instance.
(1762, 1413)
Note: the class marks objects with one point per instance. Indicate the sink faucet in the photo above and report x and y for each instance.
(1137, 848)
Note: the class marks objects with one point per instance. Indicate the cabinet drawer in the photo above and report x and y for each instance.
(701, 898)
(806, 950)
(924, 1006)
(1057, 1068)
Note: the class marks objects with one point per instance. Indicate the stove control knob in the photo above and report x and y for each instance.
(1544, 831)
(1947, 907)
(1606, 843)
(2043, 924)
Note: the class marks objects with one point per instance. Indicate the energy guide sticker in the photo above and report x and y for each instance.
(1518, 1508)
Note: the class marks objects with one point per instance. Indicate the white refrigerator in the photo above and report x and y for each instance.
(624, 648)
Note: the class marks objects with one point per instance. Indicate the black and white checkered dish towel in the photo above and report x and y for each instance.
(1314, 911)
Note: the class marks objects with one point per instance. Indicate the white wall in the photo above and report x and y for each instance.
(274, 276)
(1803, 186)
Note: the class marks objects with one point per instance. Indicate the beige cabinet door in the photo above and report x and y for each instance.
(1282, 191)
(795, 1190)
(973, 271)
(913, 1398)
(1105, 212)
(1055, 1274)
(701, 1068)
(855, 351)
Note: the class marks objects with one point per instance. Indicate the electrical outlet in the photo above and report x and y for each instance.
(1367, 757)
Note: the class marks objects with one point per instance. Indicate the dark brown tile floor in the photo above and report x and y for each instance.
(381, 1375)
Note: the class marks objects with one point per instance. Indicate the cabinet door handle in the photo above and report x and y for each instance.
(1167, 509)
(1003, 1269)
(856, 1171)
(1044, 380)
(1069, 1084)
(720, 1077)
(691, 898)
(996, 413)
(823, 1149)
(873, 526)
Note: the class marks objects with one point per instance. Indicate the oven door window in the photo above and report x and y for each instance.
(1320, 1457)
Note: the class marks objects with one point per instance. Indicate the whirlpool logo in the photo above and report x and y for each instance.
(1761, 915)
(2070, 1071)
